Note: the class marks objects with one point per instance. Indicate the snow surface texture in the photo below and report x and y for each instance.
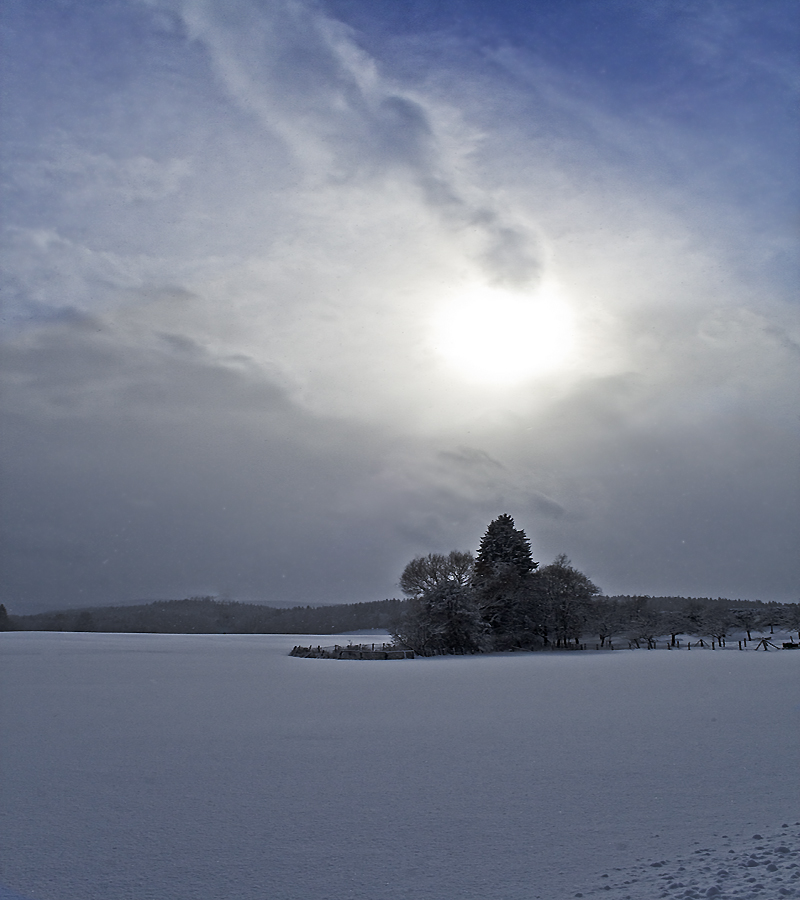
(169, 767)
(764, 866)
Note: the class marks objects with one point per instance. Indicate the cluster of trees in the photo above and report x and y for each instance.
(457, 603)
(206, 615)
(499, 600)
(503, 600)
(641, 620)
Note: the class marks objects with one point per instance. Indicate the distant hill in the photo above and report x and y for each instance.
(206, 615)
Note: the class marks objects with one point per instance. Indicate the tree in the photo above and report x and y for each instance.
(771, 615)
(5, 624)
(746, 618)
(693, 611)
(503, 547)
(607, 617)
(499, 601)
(426, 572)
(790, 619)
(501, 579)
(412, 628)
(717, 620)
(674, 622)
(569, 594)
(444, 618)
(645, 625)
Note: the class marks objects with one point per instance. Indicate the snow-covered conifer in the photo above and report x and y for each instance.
(502, 547)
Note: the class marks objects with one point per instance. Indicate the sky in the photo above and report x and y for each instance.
(296, 291)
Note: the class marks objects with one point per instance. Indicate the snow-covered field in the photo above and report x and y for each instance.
(176, 767)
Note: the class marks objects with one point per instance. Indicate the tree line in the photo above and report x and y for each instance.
(207, 615)
(502, 600)
(499, 599)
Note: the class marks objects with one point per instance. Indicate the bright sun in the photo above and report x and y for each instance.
(496, 336)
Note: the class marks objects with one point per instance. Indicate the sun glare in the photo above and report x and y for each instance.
(496, 336)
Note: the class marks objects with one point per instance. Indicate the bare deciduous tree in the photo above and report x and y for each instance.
(426, 572)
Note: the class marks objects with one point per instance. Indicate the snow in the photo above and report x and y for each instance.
(173, 767)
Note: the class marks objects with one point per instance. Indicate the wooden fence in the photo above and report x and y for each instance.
(353, 651)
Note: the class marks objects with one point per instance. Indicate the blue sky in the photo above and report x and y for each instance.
(293, 292)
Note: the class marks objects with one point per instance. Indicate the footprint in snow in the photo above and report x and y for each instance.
(763, 865)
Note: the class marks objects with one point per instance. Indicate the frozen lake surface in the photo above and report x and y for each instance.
(169, 767)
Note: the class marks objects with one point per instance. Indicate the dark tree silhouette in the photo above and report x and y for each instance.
(568, 593)
(443, 619)
(791, 618)
(645, 625)
(426, 572)
(607, 617)
(770, 616)
(747, 619)
(692, 612)
(205, 615)
(502, 584)
(718, 620)
(503, 547)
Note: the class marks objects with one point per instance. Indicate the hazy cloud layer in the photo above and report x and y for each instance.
(228, 227)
